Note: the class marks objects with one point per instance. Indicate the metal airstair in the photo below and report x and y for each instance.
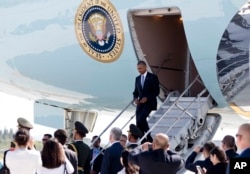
(185, 120)
(180, 118)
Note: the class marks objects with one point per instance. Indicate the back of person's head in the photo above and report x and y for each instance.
(22, 137)
(48, 135)
(228, 141)
(219, 153)
(124, 157)
(52, 154)
(161, 141)
(207, 147)
(61, 136)
(129, 167)
(116, 133)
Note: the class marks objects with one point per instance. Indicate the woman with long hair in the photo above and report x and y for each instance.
(54, 160)
(218, 159)
(128, 168)
(23, 160)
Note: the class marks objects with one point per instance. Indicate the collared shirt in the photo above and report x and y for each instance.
(96, 151)
(144, 75)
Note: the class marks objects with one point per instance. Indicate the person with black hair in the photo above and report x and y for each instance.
(46, 137)
(21, 160)
(97, 153)
(128, 167)
(134, 135)
(191, 164)
(218, 159)
(82, 150)
(61, 136)
(145, 97)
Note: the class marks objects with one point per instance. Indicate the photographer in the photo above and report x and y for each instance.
(158, 160)
(206, 163)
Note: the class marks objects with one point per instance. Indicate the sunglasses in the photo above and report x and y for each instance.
(238, 135)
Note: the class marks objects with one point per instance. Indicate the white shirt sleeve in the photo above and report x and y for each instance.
(69, 167)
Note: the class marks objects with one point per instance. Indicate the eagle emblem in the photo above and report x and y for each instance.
(98, 33)
(99, 30)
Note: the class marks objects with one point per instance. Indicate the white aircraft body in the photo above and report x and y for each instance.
(81, 56)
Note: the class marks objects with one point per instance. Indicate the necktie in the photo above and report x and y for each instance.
(142, 80)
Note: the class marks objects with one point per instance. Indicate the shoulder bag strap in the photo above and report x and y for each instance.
(4, 156)
(65, 168)
(74, 147)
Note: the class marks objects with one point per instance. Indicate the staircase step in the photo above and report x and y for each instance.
(188, 99)
(185, 114)
(176, 123)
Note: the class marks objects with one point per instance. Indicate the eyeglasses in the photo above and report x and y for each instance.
(238, 135)
(45, 139)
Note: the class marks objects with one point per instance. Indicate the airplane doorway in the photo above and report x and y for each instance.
(159, 38)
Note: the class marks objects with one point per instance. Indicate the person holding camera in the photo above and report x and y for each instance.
(192, 165)
(159, 159)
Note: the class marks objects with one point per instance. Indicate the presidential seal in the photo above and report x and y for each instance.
(99, 30)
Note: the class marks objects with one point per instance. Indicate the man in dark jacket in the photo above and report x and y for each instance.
(61, 136)
(82, 150)
(145, 97)
(134, 135)
(96, 153)
(160, 160)
(111, 161)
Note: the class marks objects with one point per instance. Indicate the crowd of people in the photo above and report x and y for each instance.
(57, 157)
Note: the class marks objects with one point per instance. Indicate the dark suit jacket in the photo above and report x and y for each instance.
(150, 90)
(97, 163)
(111, 160)
(72, 157)
(245, 154)
(191, 165)
(230, 153)
(83, 155)
(132, 146)
(157, 162)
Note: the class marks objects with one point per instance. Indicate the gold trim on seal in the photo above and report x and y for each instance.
(99, 34)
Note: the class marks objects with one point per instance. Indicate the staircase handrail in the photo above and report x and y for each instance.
(175, 102)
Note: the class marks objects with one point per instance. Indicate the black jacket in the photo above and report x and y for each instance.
(97, 162)
(150, 90)
(191, 165)
(72, 157)
(111, 160)
(219, 168)
(157, 162)
(83, 155)
(230, 153)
